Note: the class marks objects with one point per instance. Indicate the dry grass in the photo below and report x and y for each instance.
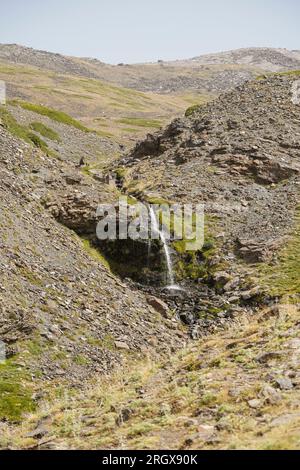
(96, 104)
(147, 405)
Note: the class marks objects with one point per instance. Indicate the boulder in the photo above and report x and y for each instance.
(160, 306)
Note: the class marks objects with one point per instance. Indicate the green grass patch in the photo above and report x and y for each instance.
(140, 122)
(20, 131)
(283, 278)
(192, 110)
(53, 114)
(94, 253)
(15, 394)
(290, 73)
(45, 131)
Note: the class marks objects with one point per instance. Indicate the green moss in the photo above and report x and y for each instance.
(94, 252)
(45, 131)
(53, 114)
(15, 392)
(81, 360)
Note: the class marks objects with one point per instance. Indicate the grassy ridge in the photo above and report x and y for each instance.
(20, 131)
(53, 114)
(45, 131)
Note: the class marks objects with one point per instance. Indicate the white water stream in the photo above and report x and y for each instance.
(155, 228)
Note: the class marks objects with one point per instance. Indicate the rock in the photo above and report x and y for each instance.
(121, 345)
(232, 285)
(271, 395)
(284, 383)
(205, 432)
(294, 343)
(222, 277)
(72, 179)
(39, 432)
(268, 356)
(251, 293)
(284, 419)
(123, 416)
(160, 306)
(255, 403)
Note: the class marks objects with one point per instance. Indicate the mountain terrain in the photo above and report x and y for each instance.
(99, 354)
(128, 100)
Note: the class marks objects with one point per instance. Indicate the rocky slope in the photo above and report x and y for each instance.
(207, 73)
(66, 317)
(63, 315)
(271, 59)
(239, 156)
(238, 389)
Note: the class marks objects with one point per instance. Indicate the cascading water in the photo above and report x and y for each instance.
(155, 228)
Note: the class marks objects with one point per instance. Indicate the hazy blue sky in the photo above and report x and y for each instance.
(145, 30)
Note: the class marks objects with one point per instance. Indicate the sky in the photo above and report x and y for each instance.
(133, 31)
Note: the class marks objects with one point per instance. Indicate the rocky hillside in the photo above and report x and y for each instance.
(271, 59)
(69, 315)
(207, 73)
(239, 156)
(64, 316)
(122, 101)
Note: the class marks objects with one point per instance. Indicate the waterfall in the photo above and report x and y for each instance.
(155, 228)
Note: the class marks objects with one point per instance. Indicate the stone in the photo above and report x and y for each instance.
(284, 419)
(270, 395)
(255, 403)
(284, 383)
(73, 179)
(251, 293)
(205, 432)
(160, 306)
(39, 432)
(123, 416)
(121, 345)
(294, 343)
(268, 356)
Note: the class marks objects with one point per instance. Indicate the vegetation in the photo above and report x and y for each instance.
(292, 73)
(192, 110)
(15, 396)
(140, 122)
(283, 277)
(53, 114)
(20, 131)
(94, 252)
(45, 131)
(195, 399)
